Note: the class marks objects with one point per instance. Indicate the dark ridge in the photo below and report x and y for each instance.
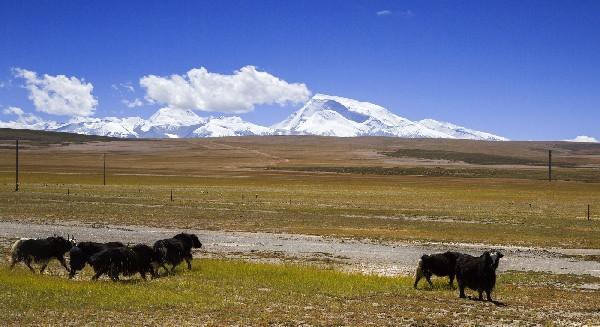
(44, 137)
(589, 175)
(471, 158)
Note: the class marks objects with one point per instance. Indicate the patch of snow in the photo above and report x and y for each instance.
(583, 138)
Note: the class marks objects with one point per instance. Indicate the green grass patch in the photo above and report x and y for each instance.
(472, 158)
(225, 292)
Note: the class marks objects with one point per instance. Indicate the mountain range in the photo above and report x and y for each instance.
(322, 115)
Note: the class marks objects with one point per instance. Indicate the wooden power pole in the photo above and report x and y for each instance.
(17, 166)
(550, 165)
(104, 169)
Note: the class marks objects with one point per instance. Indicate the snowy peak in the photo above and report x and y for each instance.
(323, 114)
(230, 126)
(337, 116)
(174, 117)
(109, 126)
(459, 132)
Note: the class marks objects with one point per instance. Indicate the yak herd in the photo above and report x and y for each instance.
(115, 258)
(112, 259)
(476, 273)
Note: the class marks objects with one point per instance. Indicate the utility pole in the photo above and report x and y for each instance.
(17, 167)
(104, 169)
(588, 212)
(550, 165)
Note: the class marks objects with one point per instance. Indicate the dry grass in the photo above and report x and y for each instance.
(215, 188)
(223, 292)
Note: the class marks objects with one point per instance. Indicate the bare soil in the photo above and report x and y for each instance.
(382, 258)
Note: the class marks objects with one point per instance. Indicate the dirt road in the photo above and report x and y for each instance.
(353, 255)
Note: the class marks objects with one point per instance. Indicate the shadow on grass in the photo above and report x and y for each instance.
(496, 303)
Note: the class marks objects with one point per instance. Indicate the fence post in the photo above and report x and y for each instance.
(550, 165)
(17, 166)
(104, 169)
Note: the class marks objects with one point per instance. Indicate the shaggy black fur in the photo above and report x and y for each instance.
(478, 273)
(40, 251)
(123, 260)
(189, 241)
(174, 250)
(81, 253)
(439, 264)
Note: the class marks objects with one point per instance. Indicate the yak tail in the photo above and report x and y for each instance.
(15, 249)
(419, 272)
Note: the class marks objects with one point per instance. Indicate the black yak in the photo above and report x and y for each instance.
(81, 253)
(40, 251)
(478, 273)
(189, 241)
(439, 264)
(115, 261)
(174, 250)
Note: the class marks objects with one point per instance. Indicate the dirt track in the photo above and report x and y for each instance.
(365, 256)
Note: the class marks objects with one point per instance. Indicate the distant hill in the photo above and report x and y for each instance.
(48, 137)
(322, 115)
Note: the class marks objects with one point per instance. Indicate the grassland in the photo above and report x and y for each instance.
(449, 191)
(224, 292)
(246, 184)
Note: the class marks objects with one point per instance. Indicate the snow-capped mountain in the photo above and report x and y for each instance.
(170, 123)
(230, 126)
(109, 126)
(459, 132)
(337, 116)
(322, 115)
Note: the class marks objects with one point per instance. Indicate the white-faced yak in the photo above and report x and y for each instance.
(40, 251)
(478, 273)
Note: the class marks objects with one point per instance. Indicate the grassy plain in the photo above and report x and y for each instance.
(247, 184)
(225, 292)
(428, 190)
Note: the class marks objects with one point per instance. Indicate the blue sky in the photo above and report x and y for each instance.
(520, 69)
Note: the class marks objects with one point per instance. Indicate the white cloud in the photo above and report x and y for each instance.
(384, 13)
(132, 103)
(59, 95)
(25, 120)
(128, 86)
(13, 111)
(201, 90)
(583, 138)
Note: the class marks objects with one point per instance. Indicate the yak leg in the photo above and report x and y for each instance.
(480, 295)
(13, 262)
(44, 265)
(488, 294)
(173, 270)
(428, 277)
(28, 264)
(64, 263)
(418, 276)
(97, 275)
(114, 276)
(143, 273)
(461, 288)
(189, 263)
(451, 281)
